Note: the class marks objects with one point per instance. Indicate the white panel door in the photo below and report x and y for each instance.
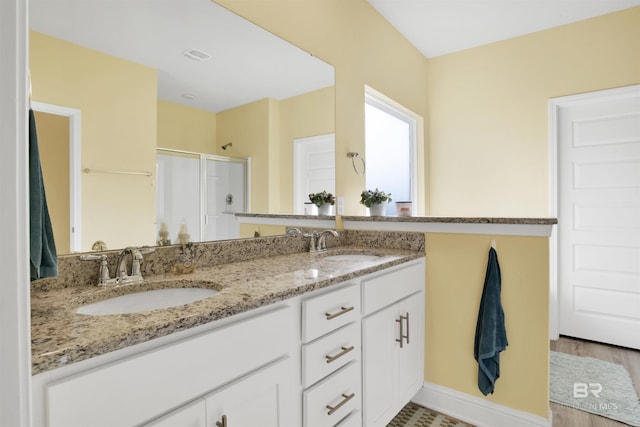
(599, 218)
(314, 168)
(225, 196)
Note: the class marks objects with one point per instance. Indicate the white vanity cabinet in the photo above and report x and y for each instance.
(347, 355)
(392, 342)
(141, 387)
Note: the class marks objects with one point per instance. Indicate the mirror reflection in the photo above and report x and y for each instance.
(123, 79)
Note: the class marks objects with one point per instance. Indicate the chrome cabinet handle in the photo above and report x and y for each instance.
(342, 311)
(347, 398)
(402, 335)
(223, 423)
(344, 351)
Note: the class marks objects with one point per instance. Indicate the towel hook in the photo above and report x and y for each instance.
(352, 155)
(493, 244)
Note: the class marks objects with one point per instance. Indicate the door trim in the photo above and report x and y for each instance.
(75, 158)
(555, 104)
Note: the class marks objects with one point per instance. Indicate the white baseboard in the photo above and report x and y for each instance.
(475, 410)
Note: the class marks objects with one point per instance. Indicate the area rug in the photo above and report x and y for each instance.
(594, 386)
(413, 415)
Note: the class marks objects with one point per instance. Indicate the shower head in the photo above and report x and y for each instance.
(227, 145)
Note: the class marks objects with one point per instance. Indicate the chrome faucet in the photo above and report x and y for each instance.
(121, 275)
(321, 244)
(317, 241)
(136, 261)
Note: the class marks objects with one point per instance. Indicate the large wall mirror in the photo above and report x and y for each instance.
(185, 75)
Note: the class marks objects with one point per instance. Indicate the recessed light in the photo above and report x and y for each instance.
(196, 54)
(188, 96)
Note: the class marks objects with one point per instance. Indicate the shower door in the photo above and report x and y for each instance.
(225, 196)
(202, 191)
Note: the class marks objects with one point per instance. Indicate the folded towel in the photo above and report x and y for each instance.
(491, 336)
(44, 260)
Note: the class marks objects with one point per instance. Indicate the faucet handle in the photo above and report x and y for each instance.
(103, 273)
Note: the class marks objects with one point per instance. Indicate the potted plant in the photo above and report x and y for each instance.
(376, 201)
(324, 201)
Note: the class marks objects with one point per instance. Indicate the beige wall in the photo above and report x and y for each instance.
(248, 128)
(365, 50)
(186, 128)
(53, 143)
(456, 266)
(118, 101)
(488, 111)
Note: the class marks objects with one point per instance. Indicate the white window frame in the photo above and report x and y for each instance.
(388, 105)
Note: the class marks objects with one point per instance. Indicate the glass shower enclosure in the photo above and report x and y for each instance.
(202, 191)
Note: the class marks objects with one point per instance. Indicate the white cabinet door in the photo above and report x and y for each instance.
(192, 415)
(264, 398)
(410, 364)
(379, 332)
(392, 359)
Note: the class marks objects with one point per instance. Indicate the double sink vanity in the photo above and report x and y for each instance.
(270, 334)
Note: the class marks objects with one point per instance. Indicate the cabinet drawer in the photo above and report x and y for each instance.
(170, 375)
(326, 354)
(324, 313)
(380, 291)
(331, 400)
(354, 419)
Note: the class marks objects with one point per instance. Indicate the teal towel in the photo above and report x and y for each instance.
(44, 260)
(491, 336)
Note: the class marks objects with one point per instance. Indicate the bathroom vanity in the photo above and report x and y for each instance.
(298, 339)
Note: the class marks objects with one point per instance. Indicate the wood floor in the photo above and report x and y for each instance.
(630, 359)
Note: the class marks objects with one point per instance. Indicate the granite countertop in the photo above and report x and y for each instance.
(60, 336)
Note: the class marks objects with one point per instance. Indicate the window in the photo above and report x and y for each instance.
(390, 147)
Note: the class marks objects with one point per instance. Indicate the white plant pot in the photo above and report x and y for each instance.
(378, 209)
(310, 209)
(326, 209)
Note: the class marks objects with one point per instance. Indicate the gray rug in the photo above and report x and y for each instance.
(594, 386)
(413, 415)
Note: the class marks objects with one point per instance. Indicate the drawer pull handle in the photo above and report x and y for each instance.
(347, 398)
(402, 334)
(342, 311)
(344, 351)
(223, 423)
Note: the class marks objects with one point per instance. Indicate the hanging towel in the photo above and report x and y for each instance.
(491, 336)
(44, 260)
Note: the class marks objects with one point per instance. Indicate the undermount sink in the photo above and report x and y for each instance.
(155, 299)
(352, 257)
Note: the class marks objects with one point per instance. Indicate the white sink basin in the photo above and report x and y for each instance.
(145, 301)
(352, 257)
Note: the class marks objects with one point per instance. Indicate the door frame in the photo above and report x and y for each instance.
(75, 159)
(555, 104)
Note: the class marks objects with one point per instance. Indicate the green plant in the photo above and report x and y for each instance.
(320, 199)
(375, 197)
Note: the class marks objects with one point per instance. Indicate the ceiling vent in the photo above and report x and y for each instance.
(196, 55)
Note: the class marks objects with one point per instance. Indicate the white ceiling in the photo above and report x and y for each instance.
(437, 27)
(247, 63)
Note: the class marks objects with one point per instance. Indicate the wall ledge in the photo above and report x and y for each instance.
(475, 410)
(539, 227)
(288, 220)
